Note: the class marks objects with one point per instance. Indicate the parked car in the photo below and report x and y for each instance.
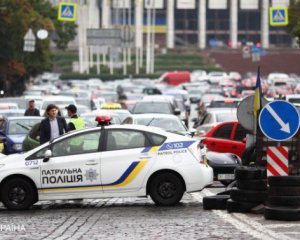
(157, 104)
(224, 103)
(11, 113)
(223, 165)
(226, 137)
(13, 131)
(214, 116)
(216, 77)
(175, 78)
(199, 75)
(57, 100)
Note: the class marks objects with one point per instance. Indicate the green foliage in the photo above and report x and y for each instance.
(65, 32)
(16, 17)
(294, 19)
(104, 77)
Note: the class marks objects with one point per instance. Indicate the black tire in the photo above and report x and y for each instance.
(226, 182)
(248, 155)
(254, 185)
(248, 196)
(215, 202)
(284, 191)
(284, 181)
(250, 173)
(226, 192)
(284, 201)
(282, 213)
(166, 189)
(243, 207)
(18, 194)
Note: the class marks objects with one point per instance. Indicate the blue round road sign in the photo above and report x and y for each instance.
(279, 120)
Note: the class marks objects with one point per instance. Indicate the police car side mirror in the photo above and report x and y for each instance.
(177, 111)
(47, 156)
(193, 132)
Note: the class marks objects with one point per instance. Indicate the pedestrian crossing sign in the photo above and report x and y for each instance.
(67, 11)
(279, 16)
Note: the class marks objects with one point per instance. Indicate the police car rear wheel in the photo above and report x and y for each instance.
(17, 194)
(166, 189)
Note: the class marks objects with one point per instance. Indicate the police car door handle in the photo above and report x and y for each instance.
(34, 168)
(145, 157)
(90, 163)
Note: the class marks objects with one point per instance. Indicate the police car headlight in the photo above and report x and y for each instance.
(17, 147)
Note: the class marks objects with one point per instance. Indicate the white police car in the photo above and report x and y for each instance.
(111, 161)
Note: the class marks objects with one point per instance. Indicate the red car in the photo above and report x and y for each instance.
(227, 137)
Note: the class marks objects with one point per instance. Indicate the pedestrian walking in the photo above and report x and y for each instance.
(75, 122)
(52, 126)
(31, 110)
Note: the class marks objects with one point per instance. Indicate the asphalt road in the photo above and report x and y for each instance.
(139, 218)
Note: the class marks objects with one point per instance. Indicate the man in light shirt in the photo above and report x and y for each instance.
(53, 126)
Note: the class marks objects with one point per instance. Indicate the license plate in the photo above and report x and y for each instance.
(225, 176)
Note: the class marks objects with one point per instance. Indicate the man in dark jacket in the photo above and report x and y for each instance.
(52, 126)
(31, 110)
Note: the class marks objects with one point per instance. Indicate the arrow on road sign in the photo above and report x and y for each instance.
(285, 127)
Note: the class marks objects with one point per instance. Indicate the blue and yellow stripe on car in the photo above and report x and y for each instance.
(127, 177)
(131, 172)
(150, 149)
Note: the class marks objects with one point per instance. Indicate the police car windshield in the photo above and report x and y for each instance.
(166, 124)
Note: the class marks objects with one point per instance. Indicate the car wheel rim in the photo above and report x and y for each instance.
(16, 195)
(166, 189)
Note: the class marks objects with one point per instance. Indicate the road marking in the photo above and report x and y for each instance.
(288, 225)
(243, 222)
(285, 127)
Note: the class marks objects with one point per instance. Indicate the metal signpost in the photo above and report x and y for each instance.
(127, 37)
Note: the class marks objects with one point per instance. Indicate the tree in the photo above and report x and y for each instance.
(16, 17)
(294, 20)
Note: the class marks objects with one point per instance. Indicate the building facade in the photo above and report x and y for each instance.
(200, 23)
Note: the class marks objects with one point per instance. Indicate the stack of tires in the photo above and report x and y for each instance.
(251, 189)
(284, 198)
(217, 202)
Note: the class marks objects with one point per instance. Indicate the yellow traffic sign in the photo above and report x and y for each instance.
(67, 11)
(279, 16)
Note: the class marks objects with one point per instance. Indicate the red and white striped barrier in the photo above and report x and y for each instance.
(277, 161)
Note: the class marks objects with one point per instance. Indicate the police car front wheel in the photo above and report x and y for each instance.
(18, 194)
(166, 189)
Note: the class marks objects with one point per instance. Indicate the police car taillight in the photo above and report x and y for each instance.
(202, 150)
(197, 151)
